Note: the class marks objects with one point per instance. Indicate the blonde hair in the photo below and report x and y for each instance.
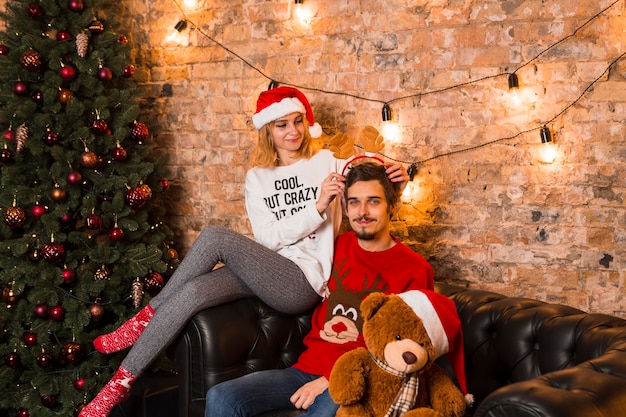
(264, 154)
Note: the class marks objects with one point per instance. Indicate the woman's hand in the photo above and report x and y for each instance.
(306, 394)
(398, 173)
(332, 186)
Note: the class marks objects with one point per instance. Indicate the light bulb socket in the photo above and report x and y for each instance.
(386, 112)
(273, 84)
(546, 136)
(412, 171)
(299, 1)
(513, 82)
(181, 25)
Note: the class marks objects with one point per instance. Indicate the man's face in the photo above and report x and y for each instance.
(367, 209)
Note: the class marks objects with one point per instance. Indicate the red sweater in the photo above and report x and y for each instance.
(336, 323)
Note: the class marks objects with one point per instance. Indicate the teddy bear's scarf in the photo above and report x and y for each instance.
(405, 400)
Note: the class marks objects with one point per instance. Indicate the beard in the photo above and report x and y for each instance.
(363, 235)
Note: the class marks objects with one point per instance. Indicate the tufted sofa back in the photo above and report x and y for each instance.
(569, 358)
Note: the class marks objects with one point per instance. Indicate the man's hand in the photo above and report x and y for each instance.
(398, 173)
(306, 394)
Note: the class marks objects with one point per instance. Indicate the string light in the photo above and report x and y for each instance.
(181, 25)
(548, 152)
(512, 78)
(386, 112)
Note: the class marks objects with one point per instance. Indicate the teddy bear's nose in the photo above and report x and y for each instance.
(409, 358)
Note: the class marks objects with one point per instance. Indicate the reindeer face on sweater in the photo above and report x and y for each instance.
(343, 322)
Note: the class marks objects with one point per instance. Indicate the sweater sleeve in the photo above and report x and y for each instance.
(271, 232)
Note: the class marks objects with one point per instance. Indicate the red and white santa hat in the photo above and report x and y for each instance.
(441, 320)
(281, 101)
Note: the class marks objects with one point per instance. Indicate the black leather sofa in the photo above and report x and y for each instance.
(524, 358)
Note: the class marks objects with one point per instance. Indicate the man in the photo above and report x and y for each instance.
(367, 259)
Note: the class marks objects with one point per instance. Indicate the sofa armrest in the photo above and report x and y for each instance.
(581, 391)
(231, 340)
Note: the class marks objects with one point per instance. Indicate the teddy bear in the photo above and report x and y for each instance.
(395, 375)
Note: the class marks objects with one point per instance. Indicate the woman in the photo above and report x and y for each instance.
(290, 197)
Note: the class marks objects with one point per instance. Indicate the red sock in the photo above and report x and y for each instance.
(113, 393)
(127, 334)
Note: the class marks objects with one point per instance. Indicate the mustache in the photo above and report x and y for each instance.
(362, 218)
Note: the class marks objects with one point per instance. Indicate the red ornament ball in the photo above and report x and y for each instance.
(63, 35)
(23, 412)
(30, 339)
(34, 10)
(48, 401)
(67, 218)
(116, 234)
(67, 72)
(129, 71)
(139, 132)
(53, 252)
(38, 210)
(4, 50)
(8, 135)
(93, 221)
(165, 183)
(12, 360)
(6, 155)
(74, 177)
(57, 313)
(122, 39)
(37, 97)
(20, 88)
(41, 311)
(68, 276)
(153, 282)
(75, 5)
(135, 197)
(79, 384)
(119, 154)
(100, 126)
(105, 74)
(44, 360)
(50, 138)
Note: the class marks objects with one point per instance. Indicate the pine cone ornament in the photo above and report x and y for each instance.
(136, 293)
(21, 134)
(102, 273)
(82, 43)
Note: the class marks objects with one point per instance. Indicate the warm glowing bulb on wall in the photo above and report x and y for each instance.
(189, 4)
(514, 89)
(389, 129)
(548, 151)
(302, 12)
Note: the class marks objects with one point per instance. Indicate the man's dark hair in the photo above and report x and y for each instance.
(369, 171)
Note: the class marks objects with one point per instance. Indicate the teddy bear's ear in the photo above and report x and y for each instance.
(371, 304)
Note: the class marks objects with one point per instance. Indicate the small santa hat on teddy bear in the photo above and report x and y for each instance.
(281, 101)
(441, 321)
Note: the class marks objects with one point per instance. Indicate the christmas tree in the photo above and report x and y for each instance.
(82, 242)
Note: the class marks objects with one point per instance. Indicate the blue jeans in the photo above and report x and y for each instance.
(264, 391)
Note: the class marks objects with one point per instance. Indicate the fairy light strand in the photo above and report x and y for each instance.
(437, 91)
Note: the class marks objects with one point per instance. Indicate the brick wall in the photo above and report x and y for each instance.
(493, 216)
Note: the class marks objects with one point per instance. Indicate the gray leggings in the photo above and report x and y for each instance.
(249, 269)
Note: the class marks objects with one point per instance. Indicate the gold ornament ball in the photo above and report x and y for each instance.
(31, 60)
(96, 311)
(89, 159)
(65, 95)
(72, 352)
(58, 194)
